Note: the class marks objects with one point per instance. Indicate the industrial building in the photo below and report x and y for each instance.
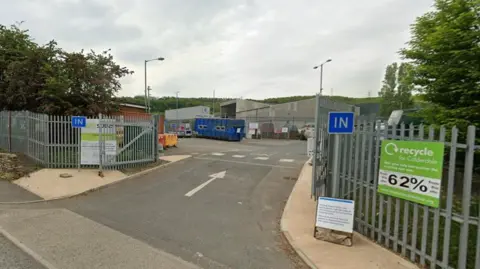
(279, 120)
(181, 121)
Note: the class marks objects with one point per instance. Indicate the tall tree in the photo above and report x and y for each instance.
(445, 50)
(396, 91)
(387, 92)
(405, 86)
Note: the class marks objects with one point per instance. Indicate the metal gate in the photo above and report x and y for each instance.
(127, 141)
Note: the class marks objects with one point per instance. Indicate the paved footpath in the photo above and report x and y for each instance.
(12, 257)
(64, 239)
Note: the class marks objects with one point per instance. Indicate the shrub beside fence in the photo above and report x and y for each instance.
(52, 142)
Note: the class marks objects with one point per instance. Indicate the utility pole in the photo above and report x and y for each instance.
(213, 105)
(148, 99)
(178, 122)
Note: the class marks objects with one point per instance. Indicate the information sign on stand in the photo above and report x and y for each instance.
(334, 220)
(335, 214)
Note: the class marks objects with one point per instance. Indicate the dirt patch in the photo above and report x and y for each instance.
(16, 165)
(136, 169)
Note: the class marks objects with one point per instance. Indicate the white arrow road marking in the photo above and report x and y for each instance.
(201, 186)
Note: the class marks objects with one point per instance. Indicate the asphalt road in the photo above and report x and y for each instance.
(12, 257)
(231, 222)
(10, 192)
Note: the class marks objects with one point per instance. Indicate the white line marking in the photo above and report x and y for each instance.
(261, 158)
(217, 154)
(286, 160)
(238, 156)
(248, 163)
(201, 186)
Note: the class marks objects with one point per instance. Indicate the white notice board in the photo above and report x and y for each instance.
(90, 145)
(335, 214)
(284, 129)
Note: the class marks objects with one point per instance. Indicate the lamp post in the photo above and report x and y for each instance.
(213, 105)
(178, 122)
(321, 73)
(147, 104)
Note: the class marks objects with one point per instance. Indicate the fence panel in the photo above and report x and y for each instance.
(51, 141)
(444, 237)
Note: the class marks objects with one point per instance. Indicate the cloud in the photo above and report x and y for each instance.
(253, 48)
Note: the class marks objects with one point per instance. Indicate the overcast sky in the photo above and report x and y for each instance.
(240, 48)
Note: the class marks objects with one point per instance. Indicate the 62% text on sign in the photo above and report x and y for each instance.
(406, 182)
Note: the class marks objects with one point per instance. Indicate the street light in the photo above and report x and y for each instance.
(147, 105)
(178, 122)
(321, 73)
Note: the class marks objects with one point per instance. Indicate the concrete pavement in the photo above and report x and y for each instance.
(48, 184)
(298, 221)
(67, 240)
(12, 257)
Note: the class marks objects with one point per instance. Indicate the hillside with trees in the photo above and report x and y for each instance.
(159, 105)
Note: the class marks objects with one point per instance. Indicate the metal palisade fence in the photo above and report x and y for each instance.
(107, 142)
(443, 237)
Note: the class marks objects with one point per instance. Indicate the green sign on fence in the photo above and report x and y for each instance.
(411, 170)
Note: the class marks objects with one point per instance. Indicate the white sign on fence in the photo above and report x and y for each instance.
(90, 144)
(284, 129)
(310, 146)
(335, 214)
(253, 125)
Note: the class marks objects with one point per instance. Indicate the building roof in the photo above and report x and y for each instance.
(132, 105)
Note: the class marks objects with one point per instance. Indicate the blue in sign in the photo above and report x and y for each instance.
(79, 121)
(340, 122)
